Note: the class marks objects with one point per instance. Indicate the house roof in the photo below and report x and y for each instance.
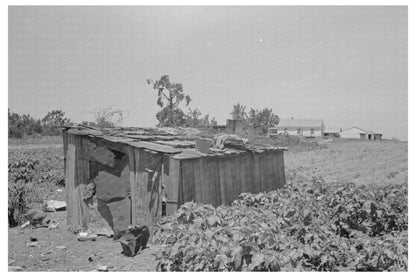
(179, 142)
(300, 123)
(362, 130)
(355, 127)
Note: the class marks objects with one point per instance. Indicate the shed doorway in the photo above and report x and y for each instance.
(112, 191)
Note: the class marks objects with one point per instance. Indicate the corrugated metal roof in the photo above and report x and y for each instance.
(300, 123)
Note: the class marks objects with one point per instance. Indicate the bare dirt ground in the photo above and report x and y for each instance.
(59, 250)
(362, 162)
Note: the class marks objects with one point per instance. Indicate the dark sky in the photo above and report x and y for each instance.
(346, 65)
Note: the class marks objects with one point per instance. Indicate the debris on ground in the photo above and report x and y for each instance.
(15, 268)
(26, 224)
(35, 217)
(102, 268)
(33, 239)
(84, 236)
(53, 225)
(62, 247)
(54, 205)
(33, 244)
(134, 239)
(102, 232)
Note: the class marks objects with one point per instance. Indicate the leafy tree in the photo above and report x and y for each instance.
(15, 123)
(169, 96)
(263, 119)
(171, 117)
(22, 125)
(239, 112)
(52, 120)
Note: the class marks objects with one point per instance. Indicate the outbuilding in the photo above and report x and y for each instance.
(353, 132)
(369, 135)
(115, 176)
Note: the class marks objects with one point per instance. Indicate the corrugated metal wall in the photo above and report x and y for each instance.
(220, 180)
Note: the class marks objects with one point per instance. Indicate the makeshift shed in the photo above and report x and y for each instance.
(114, 176)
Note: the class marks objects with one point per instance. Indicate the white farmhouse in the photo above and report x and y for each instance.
(299, 127)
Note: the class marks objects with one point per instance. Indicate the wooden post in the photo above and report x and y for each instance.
(76, 174)
(133, 196)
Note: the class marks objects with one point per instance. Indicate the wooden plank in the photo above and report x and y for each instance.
(148, 182)
(199, 177)
(214, 163)
(142, 176)
(171, 179)
(65, 142)
(257, 182)
(188, 182)
(282, 175)
(84, 132)
(245, 171)
(77, 173)
(154, 147)
(133, 195)
(263, 171)
(83, 180)
(103, 155)
(268, 168)
(70, 172)
(224, 179)
(235, 188)
(155, 204)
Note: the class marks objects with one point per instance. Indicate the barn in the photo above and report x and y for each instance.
(353, 132)
(299, 127)
(114, 176)
(358, 133)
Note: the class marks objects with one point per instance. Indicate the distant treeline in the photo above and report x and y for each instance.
(25, 125)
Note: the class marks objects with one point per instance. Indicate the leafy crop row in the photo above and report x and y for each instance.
(33, 173)
(311, 226)
(36, 166)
